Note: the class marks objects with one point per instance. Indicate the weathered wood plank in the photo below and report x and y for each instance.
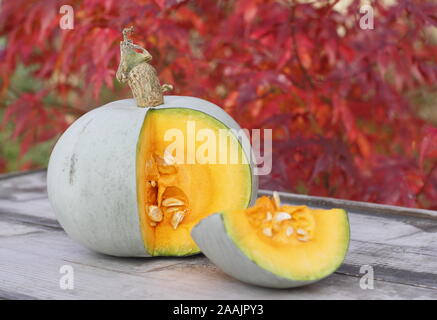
(392, 259)
(353, 206)
(11, 229)
(23, 197)
(22, 187)
(30, 267)
(399, 243)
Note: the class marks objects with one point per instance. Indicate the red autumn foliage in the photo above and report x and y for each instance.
(334, 94)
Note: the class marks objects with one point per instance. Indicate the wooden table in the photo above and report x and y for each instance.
(400, 245)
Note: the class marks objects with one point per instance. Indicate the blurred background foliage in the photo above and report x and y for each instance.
(353, 112)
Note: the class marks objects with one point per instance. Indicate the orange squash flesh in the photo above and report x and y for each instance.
(295, 242)
(204, 188)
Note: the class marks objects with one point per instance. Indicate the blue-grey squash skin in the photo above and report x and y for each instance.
(213, 240)
(91, 178)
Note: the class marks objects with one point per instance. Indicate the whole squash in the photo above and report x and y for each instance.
(115, 187)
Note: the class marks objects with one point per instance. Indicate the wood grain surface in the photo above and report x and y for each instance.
(400, 244)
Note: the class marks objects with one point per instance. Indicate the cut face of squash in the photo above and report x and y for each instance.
(176, 191)
(115, 190)
(277, 245)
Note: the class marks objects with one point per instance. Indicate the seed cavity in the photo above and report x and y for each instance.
(281, 216)
(268, 232)
(172, 202)
(167, 169)
(177, 218)
(166, 203)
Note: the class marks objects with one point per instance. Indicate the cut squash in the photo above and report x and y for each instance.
(174, 196)
(122, 183)
(133, 177)
(275, 245)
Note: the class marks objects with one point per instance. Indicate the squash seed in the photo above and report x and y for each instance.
(153, 183)
(303, 235)
(177, 218)
(267, 232)
(172, 209)
(289, 231)
(155, 213)
(276, 199)
(172, 202)
(301, 232)
(152, 224)
(303, 239)
(281, 216)
(268, 216)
